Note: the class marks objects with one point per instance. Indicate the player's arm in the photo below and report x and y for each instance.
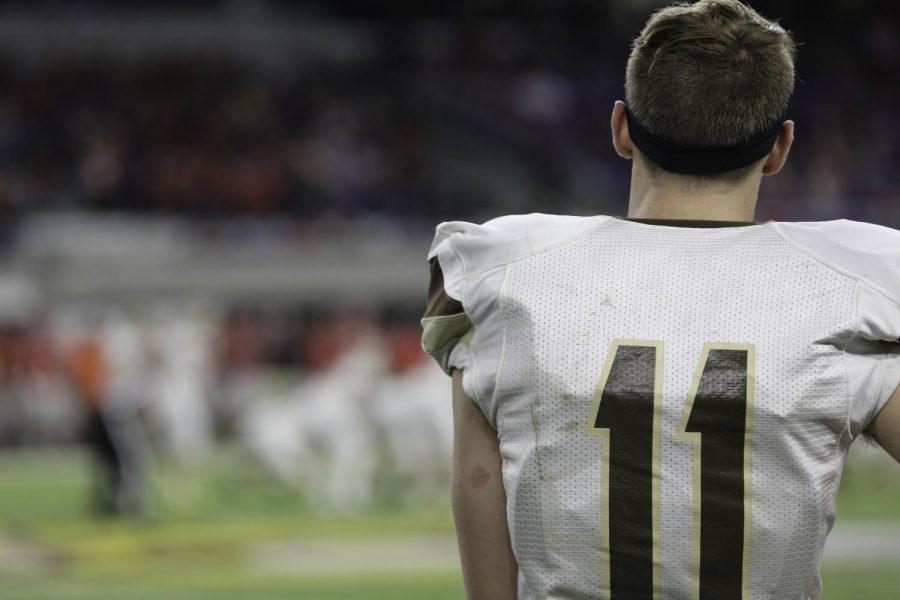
(885, 429)
(479, 503)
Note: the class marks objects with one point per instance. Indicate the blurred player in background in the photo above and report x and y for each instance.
(412, 413)
(661, 406)
(100, 378)
(317, 437)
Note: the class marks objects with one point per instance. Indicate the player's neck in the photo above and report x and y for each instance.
(679, 198)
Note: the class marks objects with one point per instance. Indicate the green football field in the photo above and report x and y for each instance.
(229, 533)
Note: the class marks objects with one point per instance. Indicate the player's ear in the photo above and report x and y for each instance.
(780, 151)
(620, 136)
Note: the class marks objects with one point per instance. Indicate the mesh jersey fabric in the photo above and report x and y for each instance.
(550, 298)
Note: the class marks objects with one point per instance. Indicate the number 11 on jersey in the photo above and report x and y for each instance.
(717, 420)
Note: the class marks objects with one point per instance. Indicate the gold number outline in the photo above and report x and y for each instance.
(696, 439)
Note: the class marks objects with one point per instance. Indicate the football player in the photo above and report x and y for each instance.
(660, 406)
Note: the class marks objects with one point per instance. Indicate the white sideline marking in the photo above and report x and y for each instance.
(862, 543)
(25, 558)
(376, 555)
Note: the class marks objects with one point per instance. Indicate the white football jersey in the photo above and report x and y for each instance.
(674, 401)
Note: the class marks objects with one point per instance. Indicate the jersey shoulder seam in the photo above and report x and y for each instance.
(604, 221)
(501, 357)
(812, 254)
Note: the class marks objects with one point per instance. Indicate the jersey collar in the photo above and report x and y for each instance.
(692, 223)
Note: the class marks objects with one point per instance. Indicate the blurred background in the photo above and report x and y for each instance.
(214, 217)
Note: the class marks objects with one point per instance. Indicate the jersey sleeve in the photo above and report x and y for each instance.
(462, 326)
(463, 323)
(870, 254)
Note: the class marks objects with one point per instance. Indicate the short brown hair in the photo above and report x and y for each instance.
(713, 73)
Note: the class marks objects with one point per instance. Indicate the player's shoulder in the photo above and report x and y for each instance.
(861, 250)
(508, 238)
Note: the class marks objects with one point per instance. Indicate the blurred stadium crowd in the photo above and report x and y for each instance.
(308, 114)
(426, 117)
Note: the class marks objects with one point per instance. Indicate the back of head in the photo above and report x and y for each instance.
(710, 74)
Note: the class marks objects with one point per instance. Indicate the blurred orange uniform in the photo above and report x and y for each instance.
(88, 372)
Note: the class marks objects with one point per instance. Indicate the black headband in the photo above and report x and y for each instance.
(700, 160)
